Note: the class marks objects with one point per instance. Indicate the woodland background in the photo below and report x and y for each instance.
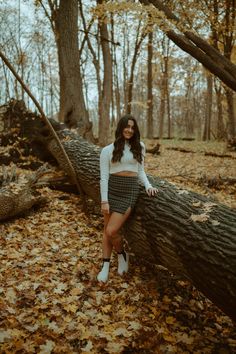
(90, 62)
(87, 63)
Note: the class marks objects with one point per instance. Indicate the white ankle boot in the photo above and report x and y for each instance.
(104, 273)
(123, 264)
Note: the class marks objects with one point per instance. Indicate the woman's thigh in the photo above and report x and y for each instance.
(106, 219)
(116, 221)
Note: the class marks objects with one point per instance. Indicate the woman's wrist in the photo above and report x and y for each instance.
(104, 202)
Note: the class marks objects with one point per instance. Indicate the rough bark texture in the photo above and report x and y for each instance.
(105, 99)
(150, 87)
(17, 197)
(181, 230)
(72, 105)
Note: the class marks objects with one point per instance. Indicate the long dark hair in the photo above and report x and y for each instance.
(119, 143)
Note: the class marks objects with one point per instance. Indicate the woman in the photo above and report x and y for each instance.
(121, 169)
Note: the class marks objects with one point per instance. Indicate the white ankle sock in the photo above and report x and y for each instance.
(123, 263)
(104, 273)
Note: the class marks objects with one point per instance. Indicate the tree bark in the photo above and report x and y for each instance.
(16, 197)
(231, 114)
(208, 108)
(105, 99)
(220, 132)
(64, 22)
(72, 105)
(163, 90)
(150, 87)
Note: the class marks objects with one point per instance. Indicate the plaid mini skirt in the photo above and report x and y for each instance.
(123, 192)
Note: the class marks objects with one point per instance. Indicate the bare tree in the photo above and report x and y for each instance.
(138, 42)
(64, 22)
(150, 87)
(164, 89)
(105, 99)
(208, 107)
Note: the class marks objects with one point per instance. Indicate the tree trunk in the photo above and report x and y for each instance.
(105, 101)
(163, 105)
(231, 131)
(181, 230)
(72, 105)
(208, 111)
(168, 107)
(149, 88)
(18, 197)
(137, 47)
(220, 130)
(116, 82)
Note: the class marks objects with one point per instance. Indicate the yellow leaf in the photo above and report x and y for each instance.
(11, 295)
(47, 348)
(71, 308)
(170, 320)
(115, 347)
(122, 332)
(88, 347)
(168, 338)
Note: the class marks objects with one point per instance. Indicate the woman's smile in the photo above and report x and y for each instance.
(128, 132)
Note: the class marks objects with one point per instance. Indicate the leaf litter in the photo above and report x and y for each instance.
(50, 301)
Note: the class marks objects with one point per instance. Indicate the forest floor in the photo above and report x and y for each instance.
(50, 301)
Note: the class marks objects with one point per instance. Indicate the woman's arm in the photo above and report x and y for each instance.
(104, 173)
(151, 191)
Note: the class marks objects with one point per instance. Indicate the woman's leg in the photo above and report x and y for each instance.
(111, 238)
(106, 252)
(106, 242)
(114, 224)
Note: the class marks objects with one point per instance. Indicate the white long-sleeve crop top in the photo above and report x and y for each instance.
(127, 163)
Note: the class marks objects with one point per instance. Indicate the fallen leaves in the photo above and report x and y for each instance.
(51, 302)
(187, 170)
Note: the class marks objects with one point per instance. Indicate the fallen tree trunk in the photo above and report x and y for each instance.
(181, 230)
(219, 155)
(17, 196)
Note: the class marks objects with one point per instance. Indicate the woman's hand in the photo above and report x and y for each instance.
(152, 191)
(105, 207)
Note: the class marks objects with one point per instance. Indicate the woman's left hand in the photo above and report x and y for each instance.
(152, 191)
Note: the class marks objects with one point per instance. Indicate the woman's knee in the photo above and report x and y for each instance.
(110, 232)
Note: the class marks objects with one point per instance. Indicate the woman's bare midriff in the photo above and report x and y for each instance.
(125, 173)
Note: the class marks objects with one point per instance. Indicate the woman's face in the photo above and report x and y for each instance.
(128, 132)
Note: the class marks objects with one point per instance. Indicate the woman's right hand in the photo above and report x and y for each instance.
(105, 208)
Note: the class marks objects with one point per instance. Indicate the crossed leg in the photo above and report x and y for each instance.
(111, 237)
